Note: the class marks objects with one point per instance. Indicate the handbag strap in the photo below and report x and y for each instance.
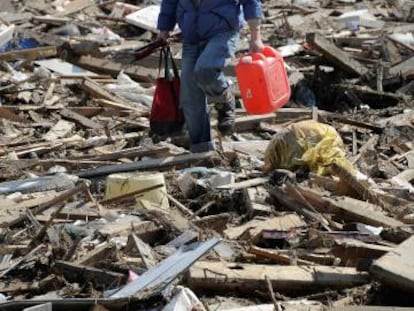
(166, 57)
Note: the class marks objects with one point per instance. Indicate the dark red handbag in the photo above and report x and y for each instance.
(166, 117)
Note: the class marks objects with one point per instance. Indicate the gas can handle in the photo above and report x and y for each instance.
(268, 51)
(257, 56)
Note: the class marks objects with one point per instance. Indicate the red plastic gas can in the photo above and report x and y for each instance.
(263, 81)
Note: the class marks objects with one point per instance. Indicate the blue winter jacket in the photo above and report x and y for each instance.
(210, 18)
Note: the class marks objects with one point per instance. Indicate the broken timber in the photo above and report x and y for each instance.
(336, 55)
(29, 54)
(396, 268)
(152, 164)
(96, 90)
(247, 277)
(80, 119)
(361, 211)
(98, 276)
(139, 73)
(405, 68)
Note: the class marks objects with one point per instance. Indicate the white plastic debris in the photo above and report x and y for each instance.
(203, 177)
(185, 300)
(131, 90)
(352, 19)
(119, 242)
(105, 33)
(57, 169)
(6, 33)
(367, 229)
(145, 18)
(292, 48)
(121, 9)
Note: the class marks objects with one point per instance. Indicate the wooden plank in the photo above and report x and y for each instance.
(254, 198)
(375, 98)
(404, 68)
(357, 184)
(11, 116)
(244, 184)
(353, 252)
(281, 258)
(75, 6)
(52, 20)
(90, 112)
(145, 251)
(361, 211)
(126, 153)
(17, 262)
(290, 200)
(249, 123)
(396, 268)
(80, 119)
(11, 249)
(248, 277)
(12, 212)
(122, 226)
(138, 73)
(114, 105)
(206, 158)
(253, 229)
(12, 287)
(334, 54)
(97, 254)
(98, 91)
(29, 54)
(83, 274)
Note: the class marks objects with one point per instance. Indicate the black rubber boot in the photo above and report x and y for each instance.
(225, 114)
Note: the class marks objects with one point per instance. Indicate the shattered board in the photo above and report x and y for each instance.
(64, 68)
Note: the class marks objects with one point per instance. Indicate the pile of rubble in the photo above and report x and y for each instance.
(96, 214)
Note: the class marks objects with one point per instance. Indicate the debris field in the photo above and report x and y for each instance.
(307, 208)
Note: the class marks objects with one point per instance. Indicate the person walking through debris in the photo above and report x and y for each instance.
(210, 30)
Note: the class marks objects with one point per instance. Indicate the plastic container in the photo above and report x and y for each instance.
(263, 81)
(119, 184)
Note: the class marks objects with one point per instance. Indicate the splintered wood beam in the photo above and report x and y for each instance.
(362, 187)
(361, 211)
(81, 273)
(29, 54)
(80, 119)
(335, 55)
(396, 268)
(101, 65)
(183, 160)
(96, 255)
(94, 89)
(11, 116)
(205, 275)
(404, 68)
